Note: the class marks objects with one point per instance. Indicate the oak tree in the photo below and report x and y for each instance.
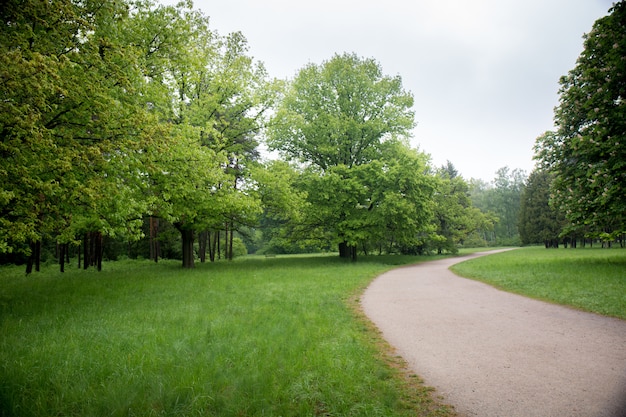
(335, 119)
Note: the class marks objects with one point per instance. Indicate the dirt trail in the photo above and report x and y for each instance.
(491, 353)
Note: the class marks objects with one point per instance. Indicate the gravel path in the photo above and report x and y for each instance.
(492, 353)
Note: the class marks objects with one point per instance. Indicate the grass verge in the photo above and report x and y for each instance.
(276, 336)
(589, 279)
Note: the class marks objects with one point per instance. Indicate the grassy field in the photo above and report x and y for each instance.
(272, 337)
(589, 279)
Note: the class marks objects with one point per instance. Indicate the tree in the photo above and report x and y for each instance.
(539, 222)
(211, 98)
(32, 57)
(384, 204)
(70, 112)
(587, 152)
(506, 200)
(454, 216)
(229, 100)
(283, 206)
(185, 178)
(112, 111)
(335, 119)
(402, 200)
(480, 193)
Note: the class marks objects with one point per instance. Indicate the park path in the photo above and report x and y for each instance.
(491, 353)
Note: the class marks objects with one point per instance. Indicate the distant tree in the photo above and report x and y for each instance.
(539, 222)
(455, 217)
(448, 170)
(479, 192)
(587, 153)
(506, 200)
(500, 202)
(283, 204)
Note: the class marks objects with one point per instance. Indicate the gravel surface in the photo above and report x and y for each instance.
(492, 353)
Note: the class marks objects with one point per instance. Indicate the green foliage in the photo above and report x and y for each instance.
(587, 153)
(118, 112)
(589, 279)
(343, 120)
(539, 222)
(113, 111)
(75, 165)
(455, 218)
(249, 337)
(500, 201)
(340, 112)
(508, 187)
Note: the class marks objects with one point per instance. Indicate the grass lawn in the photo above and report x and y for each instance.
(272, 337)
(589, 279)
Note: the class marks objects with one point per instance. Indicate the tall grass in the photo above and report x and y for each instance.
(272, 337)
(589, 279)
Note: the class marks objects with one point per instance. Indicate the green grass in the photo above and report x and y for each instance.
(255, 337)
(588, 279)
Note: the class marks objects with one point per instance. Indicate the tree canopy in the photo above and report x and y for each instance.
(132, 121)
(587, 152)
(340, 112)
(115, 111)
(344, 121)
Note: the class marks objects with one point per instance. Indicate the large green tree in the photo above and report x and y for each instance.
(587, 152)
(230, 100)
(210, 98)
(335, 119)
(117, 110)
(70, 112)
(385, 204)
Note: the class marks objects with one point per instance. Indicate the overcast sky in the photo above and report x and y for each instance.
(484, 73)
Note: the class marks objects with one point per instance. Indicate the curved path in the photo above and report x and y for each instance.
(492, 353)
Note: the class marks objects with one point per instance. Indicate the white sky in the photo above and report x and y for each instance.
(484, 73)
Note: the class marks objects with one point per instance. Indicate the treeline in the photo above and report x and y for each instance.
(118, 113)
(134, 129)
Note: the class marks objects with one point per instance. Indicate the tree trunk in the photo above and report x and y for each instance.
(226, 254)
(34, 258)
(86, 251)
(93, 250)
(203, 237)
(37, 255)
(99, 250)
(29, 266)
(347, 251)
(62, 249)
(155, 245)
(230, 243)
(187, 236)
(213, 246)
(218, 244)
